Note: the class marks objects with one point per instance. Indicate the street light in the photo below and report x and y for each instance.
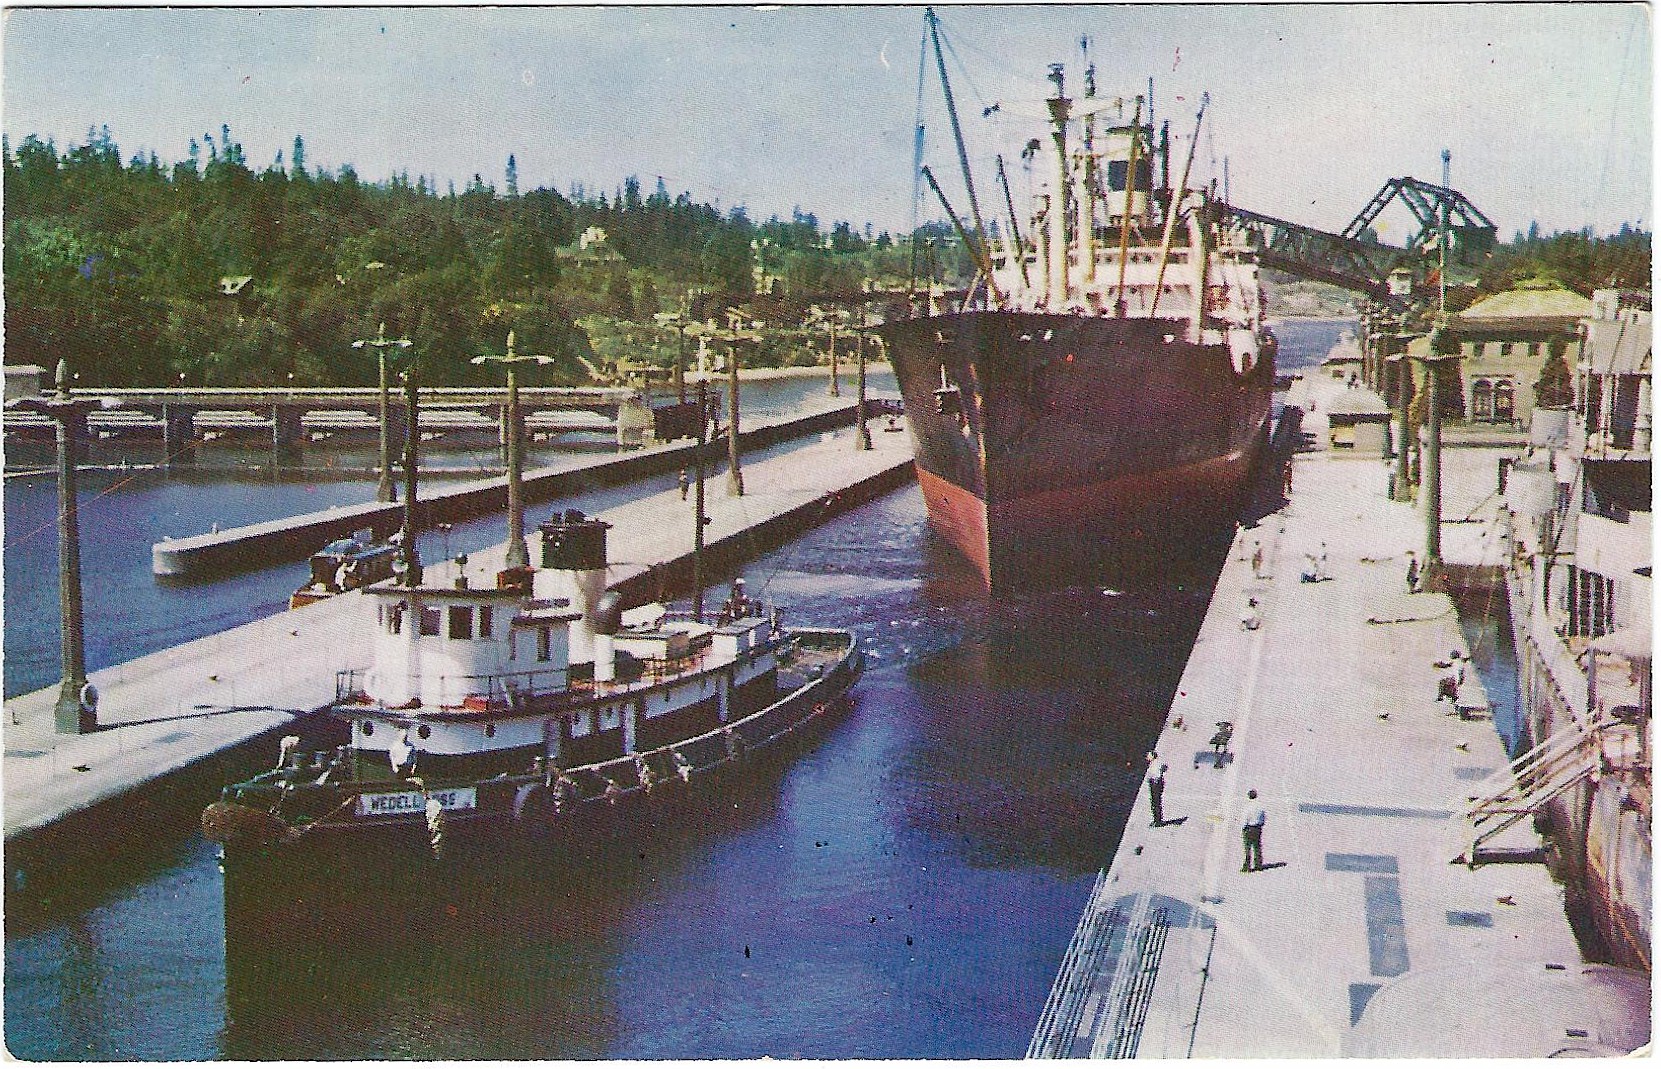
(862, 435)
(408, 555)
(516, 557)
(76, 710)
(381, 343)
(832, 320)
(732, 336)
(1434, 360)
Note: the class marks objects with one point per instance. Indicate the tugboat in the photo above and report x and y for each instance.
(538, 709)
(345, 564)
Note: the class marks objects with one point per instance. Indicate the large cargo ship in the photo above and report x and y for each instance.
(1101, 388)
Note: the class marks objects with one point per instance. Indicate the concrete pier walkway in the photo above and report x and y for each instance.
(1362, 776)
(170, 710)
(297, 537)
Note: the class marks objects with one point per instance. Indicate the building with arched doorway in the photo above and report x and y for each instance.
(1506, 340)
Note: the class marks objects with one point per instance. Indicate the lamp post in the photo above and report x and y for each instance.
(732, 336)
(412, 442)
(1432, 475)
(381, 343)
(831, 320)
(76, 710)
(862, 435)
(835, 386)
(699, 520)
(516, 556)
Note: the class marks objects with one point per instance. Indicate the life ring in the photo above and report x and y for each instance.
(89, 697)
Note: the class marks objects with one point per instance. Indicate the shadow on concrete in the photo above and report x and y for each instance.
(1265, 493)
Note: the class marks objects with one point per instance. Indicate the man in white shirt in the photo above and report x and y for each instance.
(1251, 833)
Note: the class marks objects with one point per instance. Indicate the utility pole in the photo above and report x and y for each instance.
(1442, 241)
(381, 343)
(862, 435)
(835, 386)
(698, 517)
(1433, 463)
(1404, 400)
(732, 336)
(76, 710)
(735, 475)
(412, 443)
(516, 556)
(1434, 360)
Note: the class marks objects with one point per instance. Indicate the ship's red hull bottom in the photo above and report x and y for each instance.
(1117, 526)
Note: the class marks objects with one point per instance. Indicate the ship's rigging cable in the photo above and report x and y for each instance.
(957, 130)
(993, 61)
(1614, 104)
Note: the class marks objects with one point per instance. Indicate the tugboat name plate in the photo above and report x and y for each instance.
(385, 805)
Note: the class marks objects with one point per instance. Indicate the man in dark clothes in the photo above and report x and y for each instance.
(1156, 795)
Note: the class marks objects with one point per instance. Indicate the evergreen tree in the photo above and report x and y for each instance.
(1555, 386)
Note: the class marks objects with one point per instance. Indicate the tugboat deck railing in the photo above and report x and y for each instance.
(496, 693)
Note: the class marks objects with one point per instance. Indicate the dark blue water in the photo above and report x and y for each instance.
(905, 889)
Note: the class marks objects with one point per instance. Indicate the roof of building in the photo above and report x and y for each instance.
(1345, 351)
(1356, 405)
(1534, 299)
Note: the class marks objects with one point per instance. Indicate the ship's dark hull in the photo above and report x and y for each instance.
(1058, 445)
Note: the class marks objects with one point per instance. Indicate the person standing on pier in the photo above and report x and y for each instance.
(1257, 560)
(1251, 833)
(685, 483)
(1412, 573)
(1156, 795)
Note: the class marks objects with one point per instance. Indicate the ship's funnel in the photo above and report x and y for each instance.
(605, 659)
(573, 569)
(603, 620)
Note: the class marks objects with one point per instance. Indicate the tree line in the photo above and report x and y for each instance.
(208, 272)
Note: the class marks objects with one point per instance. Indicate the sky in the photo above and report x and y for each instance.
(1546, 108)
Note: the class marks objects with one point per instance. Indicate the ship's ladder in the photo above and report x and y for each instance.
(1565, 759)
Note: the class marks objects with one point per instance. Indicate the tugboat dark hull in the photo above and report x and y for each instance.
(572, 812)
(1054, 446)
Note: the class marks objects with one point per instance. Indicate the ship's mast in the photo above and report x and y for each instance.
(1086, 225)
(957, 129)
(1130, 202)
(1055, 278)
(1014, 224)
(1174, 206)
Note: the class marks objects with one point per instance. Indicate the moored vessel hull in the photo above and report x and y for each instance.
(570, 811)
(1049, 446)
